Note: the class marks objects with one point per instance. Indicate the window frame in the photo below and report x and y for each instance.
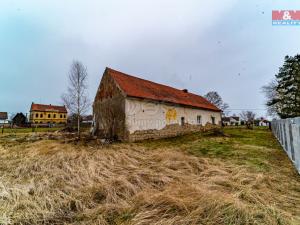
(182, 121)
(213, 120)
(199, 119)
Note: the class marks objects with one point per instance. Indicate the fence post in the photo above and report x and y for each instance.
(287, 142)
(281, 132)
(296, 144)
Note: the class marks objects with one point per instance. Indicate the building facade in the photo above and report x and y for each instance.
(3, 117)
(231, 121)
(48, 114)
(129, 109)
(263, 122)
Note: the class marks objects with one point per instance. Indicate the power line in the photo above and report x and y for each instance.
(246, 109)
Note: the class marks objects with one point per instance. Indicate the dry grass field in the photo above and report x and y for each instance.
(239, 177)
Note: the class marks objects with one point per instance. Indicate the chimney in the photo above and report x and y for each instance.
(185, 90)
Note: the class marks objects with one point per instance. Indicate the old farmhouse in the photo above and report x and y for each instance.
(129, 108)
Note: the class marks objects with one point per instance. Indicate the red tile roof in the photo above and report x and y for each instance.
(48, 108)
(140, 88)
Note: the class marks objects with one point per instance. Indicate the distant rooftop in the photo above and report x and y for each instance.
(48, 108)
(3, 116)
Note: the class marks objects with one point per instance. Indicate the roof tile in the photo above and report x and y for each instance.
(140, 88)
(50, 108)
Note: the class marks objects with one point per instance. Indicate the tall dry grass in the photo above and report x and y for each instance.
(48, 182)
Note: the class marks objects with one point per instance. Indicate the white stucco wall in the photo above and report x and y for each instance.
(3, 121)
(145, 115)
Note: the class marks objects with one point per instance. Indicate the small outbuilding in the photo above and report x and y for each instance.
(19, 120)
(263, 122)
(129, 108)
(3, 117)
(231, 121)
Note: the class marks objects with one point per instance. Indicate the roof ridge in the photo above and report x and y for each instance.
(151, 81)
(146, 80)
(43, 107)
(48, 104)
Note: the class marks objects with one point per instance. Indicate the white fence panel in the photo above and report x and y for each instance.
(287, 131)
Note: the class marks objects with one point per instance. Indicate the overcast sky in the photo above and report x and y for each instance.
(229, 46)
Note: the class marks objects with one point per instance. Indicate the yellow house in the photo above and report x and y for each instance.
(52, 114)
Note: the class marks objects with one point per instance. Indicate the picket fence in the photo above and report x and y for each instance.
(287, 131)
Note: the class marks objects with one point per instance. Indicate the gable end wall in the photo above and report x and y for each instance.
(109, 110)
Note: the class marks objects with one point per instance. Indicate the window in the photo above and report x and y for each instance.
(37, 115)
(60, 115)
(54, 116)
(49, 115)
(182, 121)
(41, 115)
(213, 120)
(199, 120)
(64, 116)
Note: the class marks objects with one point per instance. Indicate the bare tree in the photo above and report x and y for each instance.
(271, 94)
(217, 100)
(76, 98)
(249, 117)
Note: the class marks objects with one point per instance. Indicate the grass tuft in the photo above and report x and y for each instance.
(236, 177)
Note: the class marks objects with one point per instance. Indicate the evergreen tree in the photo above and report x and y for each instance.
(287, 97)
